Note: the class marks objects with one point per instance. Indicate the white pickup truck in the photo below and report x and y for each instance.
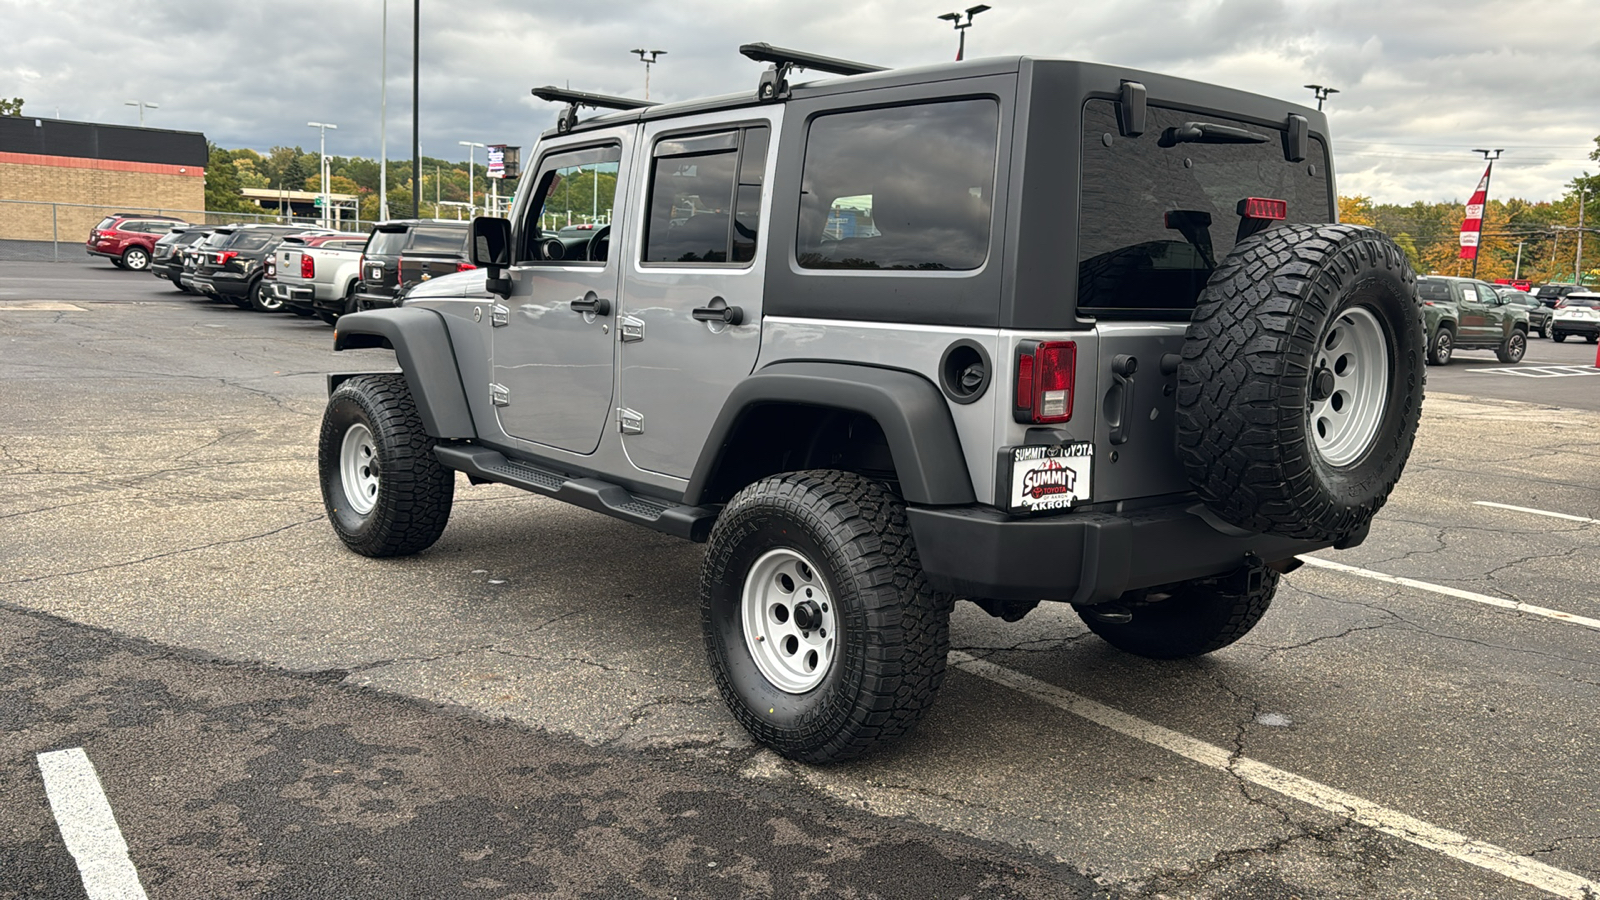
(318, 273)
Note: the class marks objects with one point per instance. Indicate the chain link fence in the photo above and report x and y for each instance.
(40, 230)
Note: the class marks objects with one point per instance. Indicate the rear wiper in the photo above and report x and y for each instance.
(1209, 133)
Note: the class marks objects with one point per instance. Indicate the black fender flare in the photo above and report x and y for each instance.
(911, 411)
(421, 343)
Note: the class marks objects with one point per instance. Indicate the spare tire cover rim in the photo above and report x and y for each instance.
(1345, 423)
(794, 652)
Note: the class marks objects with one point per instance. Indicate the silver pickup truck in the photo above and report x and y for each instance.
(318, 273)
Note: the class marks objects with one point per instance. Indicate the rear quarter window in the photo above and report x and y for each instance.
(1155, 221)
(251, 240)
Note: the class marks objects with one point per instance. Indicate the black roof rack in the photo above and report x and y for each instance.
(774, 83)
(576, 99)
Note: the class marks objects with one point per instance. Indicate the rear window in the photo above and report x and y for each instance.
(437, 240)
(1583, 301)
(105, 223)
(1433, 290)
(387, 243)
(1154, 221)
(216, 239)
(908, 187)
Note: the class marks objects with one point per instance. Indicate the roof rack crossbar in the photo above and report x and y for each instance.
(774, 84)
(576, 99)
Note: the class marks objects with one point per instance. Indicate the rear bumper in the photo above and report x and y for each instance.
(1570, 327)
(293, 294)
(1083, 557)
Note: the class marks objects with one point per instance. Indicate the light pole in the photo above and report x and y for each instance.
(416, 134)
(383, 123)
(139, 103)
(470, 145)
(323, 151)
(654, 56)
(1322, 93)
(1577, 264)
(1485, 215)
(954, 18)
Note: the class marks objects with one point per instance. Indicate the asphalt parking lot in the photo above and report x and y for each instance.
(1414, 717)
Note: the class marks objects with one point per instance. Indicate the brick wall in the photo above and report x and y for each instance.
(97, 186)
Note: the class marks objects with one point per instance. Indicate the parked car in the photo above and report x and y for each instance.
(167, 259)
(317, 273)
(1551, 294)
(128, 240)
(1538, 314)
(1466, 314)
(1577, 313)
(231, 266)
(406, 252)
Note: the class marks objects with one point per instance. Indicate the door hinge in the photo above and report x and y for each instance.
(630, 329)
(629, 422)
(499, 315)
(499, 395)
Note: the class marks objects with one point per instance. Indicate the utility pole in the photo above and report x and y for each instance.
(416, 119)
(954, 18)
(470, 145)
(654, 55)
(1322, 93)
(323, 150)
(383, 123)
(1577, 265)
(139, 103)
(1516, 274)
(1486, 175)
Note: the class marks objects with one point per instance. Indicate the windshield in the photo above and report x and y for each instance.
(1159, 211)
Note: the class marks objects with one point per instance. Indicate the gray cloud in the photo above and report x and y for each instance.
(1421, 83)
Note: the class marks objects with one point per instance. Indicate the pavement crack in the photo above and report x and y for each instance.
(155, 556)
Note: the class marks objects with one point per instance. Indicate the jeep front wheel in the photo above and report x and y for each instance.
(1190, 619)
(385, 492)
(1300, 386)
(821, 631)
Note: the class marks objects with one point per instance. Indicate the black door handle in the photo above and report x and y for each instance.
(727, 315)
(589, 303)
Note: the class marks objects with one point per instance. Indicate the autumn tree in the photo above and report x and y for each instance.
(12, 107)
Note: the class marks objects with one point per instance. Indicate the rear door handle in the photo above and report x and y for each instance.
(589, 303)
(719, 311)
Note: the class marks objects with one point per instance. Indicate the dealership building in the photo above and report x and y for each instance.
(58, 179)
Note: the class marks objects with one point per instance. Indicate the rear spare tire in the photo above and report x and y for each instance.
(1301, 381)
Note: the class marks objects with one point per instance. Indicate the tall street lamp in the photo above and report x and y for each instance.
(383, 122)
(1322, 93)
(142, 107)
(954, 18)
(654, 56)
(323, 152)
(470, 145)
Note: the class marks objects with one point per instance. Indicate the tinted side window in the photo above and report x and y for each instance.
(907, 187)
(437, 240)
(1433, 290)
(1154, 220)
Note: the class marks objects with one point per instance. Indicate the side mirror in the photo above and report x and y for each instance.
(490, 239)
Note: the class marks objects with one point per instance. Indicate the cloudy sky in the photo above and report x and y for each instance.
(1421, 83)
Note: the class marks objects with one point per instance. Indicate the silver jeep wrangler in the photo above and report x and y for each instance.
(1009, 330)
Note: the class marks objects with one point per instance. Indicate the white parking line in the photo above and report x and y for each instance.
(1442, 840)
(1537, 512)
(1458, 593)
(88, 827)
(1539, 371)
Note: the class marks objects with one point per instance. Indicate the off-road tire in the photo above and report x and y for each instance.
(1442, 347)
(1245, 382)
(1195, 618)
(136, 259)
(414, 492)
(1514, 348)
(894, 629)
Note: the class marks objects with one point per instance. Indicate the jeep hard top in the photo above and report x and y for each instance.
(1008, 330)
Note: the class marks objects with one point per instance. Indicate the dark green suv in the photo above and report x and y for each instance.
(1466, 314)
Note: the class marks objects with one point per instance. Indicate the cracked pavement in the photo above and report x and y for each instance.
(157, 480)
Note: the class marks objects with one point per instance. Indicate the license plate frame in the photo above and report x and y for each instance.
(1049, 477)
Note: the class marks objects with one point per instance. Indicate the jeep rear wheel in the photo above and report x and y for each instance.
(385, 492)
(821, 631)
(1190, 619)
(1301, 381)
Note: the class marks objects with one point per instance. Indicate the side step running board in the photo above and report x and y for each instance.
(691, 522)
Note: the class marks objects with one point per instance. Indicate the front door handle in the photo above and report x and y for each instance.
(589, 303)
(719, 311)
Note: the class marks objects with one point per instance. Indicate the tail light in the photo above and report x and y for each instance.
(308, 266)
(465, 267)
(272, 267)
(1045, 371)
(225, 255)
(1263, 208)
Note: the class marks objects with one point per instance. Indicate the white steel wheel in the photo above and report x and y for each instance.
(790, 622)
(1349, 387)
(358, 468)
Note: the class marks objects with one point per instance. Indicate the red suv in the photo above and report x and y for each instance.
(128, 240)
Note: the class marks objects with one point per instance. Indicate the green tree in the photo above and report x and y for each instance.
(222, 184)
(12, 107)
